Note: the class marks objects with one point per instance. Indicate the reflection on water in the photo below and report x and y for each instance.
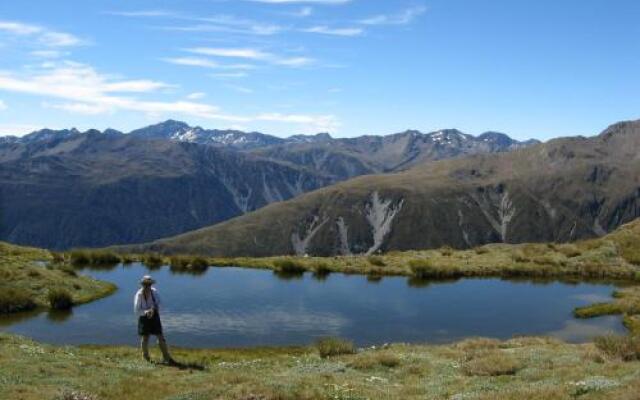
(59, 315)
(241, 307)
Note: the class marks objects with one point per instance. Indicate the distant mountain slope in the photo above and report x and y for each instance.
(376, 154)
(66, 189)
(557, 191)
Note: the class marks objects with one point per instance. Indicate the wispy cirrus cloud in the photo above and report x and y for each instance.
(80, 89)
(196, 96)
(49, 53)
(40, 35)
(230, 75)
(252, 54)
(303, 12)
(258, 29)
(325, 30)
(206, 63)
(402, 18)
(147, 13)
(3, 106)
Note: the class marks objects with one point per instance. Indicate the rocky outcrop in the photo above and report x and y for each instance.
(300, 241)
(380, 215)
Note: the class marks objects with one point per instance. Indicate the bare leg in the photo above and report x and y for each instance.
(144, 344)
(164, 349)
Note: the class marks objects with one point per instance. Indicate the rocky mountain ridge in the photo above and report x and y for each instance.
(562, 190)
(67, 188)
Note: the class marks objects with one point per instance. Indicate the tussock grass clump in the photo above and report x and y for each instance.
(597, 310)
(13, 300)
(321, 270)
(57, 258)
(199, 263)
(426, 269)
(153, 261)
(127, 259)
(81, 258)
(377, 359)
(491, 363)
(569, 250)
(178, 262)
(519, 257)
(68, 269)
(288, 266)
(631, 255)
(60, 299)
(475, 344)
(104, 258)
(189, 264)
(377, 261)
(481, 250)
(331, 346)
(446, 251)
(625, 348)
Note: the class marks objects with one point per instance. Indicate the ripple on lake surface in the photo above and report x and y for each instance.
(242, 307)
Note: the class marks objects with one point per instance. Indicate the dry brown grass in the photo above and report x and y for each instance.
(375, 359)
(491, 363)
(625, 348)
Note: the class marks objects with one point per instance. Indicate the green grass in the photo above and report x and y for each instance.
(289, 266)
(520, 368)
(188, 264)
(153, 261)
(625, 348)
(608, 258)
(24, 284)
(60, 299)
(82, 258)
(331, 347)
(376, 260)
(13, 300)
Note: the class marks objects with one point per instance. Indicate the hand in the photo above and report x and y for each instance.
(149, 313)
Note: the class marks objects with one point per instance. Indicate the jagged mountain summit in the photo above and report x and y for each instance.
(562, 190)
(66, 188)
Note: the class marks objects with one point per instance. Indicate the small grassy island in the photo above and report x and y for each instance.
(520, 368)
(34, 278)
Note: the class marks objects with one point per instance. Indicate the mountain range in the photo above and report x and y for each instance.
(561, 190)
(65, 188)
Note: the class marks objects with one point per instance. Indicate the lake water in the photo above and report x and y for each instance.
(229, 307)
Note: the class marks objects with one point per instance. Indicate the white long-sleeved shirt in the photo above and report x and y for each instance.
(142, 305)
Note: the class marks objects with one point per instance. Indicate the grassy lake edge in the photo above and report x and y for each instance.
(521, 368)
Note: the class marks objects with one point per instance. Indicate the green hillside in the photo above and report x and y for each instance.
(560, 191)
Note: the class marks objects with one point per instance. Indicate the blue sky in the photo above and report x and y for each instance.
(540, 69)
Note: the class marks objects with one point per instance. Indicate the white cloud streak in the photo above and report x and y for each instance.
(78, 88)
(146, 13)
(325, 30)
(3, 106)
(206, 63)
(252, 54)
(403, 18)
(196, 96)
(43, 36)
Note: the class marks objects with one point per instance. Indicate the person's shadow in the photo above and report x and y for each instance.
(183, 366)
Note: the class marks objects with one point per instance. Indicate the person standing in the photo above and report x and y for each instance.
(146, 305)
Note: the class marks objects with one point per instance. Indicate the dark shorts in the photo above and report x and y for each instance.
(150, 326)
